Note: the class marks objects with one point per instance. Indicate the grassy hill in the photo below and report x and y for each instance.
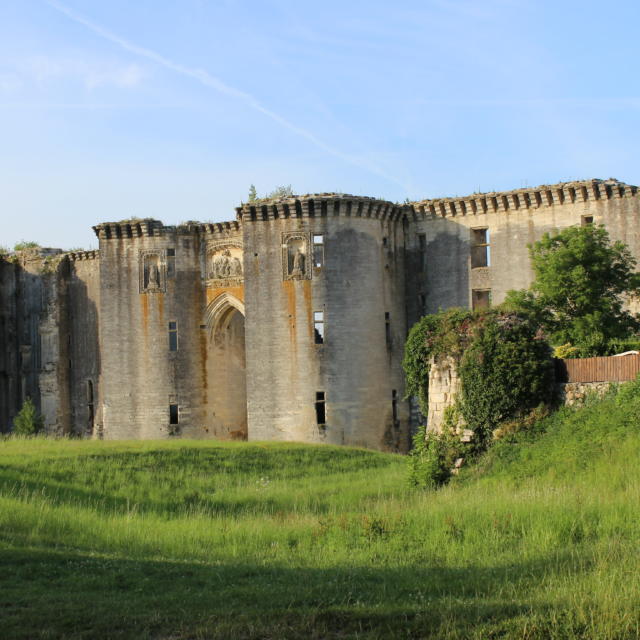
(206, 540)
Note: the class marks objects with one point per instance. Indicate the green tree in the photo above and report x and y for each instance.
(578, 294)
(28, 421)
(253, 194)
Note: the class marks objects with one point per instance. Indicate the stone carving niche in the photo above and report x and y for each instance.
(296, 262)
(153, 271)
(224, 264)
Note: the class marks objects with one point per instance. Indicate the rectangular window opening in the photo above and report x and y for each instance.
(321, 417)
(318, 250)
(422, 304)
(318, 327)
(587, 220)
(387, 329)
(90, 405)
(173, 336)
(480, 298)
(171, 263)
(422, 252)
(480, 248)
(394, 406)
(173, 414)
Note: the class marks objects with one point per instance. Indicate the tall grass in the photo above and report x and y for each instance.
(193, 539)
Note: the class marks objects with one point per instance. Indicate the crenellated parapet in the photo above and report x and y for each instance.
(74, 256)
(323, 205)
(155, 228)
(519, 199)
(218, 230)
(133, 228)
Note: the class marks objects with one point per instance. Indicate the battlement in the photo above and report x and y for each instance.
(215, 230)
(83, 255)
(320, 205)
(134, 228)
(150, 227)
(527, 198)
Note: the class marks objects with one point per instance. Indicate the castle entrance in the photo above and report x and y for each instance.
(226, 411)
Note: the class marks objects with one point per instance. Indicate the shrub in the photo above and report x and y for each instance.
(432, 458)
(505, 372)
(28, 421)
(25, 244)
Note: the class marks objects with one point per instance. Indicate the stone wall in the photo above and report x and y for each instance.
(574, 394)
(446, 278)
(444, 386)
(83, 306)
(34, 356)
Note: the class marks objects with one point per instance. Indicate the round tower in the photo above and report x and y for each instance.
(325, 320)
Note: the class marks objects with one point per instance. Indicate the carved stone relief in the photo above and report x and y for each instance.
(153, 271)
(296, 263)
(224, 263)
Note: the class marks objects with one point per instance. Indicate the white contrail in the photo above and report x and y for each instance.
(205, 78)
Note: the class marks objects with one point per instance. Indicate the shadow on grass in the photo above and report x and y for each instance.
(49, 594)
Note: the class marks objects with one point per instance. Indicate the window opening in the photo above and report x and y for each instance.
(173, 414)
(394, 406)
(318, 250)
(480, 249)
(318, 327)
(422, 252)
(321, 417)
(587, 220)
(422, 303)
(480, 298)
(171, 263)
(90, 404)
(387, 328)
(385, 242)
(173, 336)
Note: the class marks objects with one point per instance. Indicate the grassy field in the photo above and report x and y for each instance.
(180, 540)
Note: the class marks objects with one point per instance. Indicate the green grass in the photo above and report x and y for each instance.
(177, 540)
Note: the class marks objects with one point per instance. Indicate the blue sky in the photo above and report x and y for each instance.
(171, 109)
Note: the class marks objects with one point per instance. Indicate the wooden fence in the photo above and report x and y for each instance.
(607, 369)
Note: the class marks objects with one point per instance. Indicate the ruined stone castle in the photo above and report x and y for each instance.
(287, 323)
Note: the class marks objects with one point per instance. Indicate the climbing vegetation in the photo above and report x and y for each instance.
(506, 373)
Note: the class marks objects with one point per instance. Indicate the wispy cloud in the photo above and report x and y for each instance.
(205, 78)
(44, 70)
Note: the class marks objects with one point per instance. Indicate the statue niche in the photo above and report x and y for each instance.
(295, 256)
(152, 274)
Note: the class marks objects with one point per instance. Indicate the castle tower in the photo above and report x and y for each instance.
(325, 321)
(150, 384)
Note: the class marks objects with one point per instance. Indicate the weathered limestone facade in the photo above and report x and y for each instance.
(287, 323)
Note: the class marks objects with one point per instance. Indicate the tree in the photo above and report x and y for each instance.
(578, 294)
(28, 421)
(253, 194)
